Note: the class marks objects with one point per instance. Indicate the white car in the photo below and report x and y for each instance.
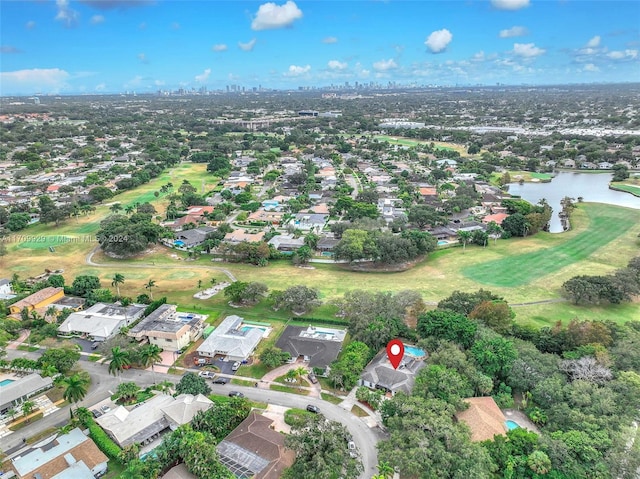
(205, 374)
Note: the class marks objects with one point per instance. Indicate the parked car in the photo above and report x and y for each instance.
(206, 374)
(105, 409)
(235, 366)
(353, 452)
(95, 345)
(313, 378)
(236, 394)
(313, 409)
(96, 413)
(220, 381)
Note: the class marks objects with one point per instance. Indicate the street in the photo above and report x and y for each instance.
(103, 383)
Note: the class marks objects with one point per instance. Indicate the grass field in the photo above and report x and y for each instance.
(440, 145)
(634, 190)
(517, 270)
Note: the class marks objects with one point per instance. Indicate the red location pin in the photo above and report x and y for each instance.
(395, 352)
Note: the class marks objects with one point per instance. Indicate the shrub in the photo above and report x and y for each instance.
(102, 440)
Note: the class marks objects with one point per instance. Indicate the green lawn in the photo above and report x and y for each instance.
(634, 190)
(521, 269)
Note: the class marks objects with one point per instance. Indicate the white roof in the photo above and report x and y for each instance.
(228, 339)
(100, 320)
(185, 407)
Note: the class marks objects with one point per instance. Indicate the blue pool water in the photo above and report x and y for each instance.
(185, 318)
(413, 351)
(6, 382)
(178, 243)
(512, 425)
(247, 328)
(441, 242)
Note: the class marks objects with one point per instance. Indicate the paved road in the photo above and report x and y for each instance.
(102, 383)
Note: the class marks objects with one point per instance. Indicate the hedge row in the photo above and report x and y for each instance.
(102, 440)
(339, 322)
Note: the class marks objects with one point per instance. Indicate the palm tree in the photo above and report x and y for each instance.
(149, 355)
(114, 208)
(127, 392)
(291, 374)
(199, 284)
(385, 470)
(118, 279)
(76, 387)
(464, 237)
(118, 360)
(129, 209)
(494, 229)
(48, 370)
(150, 284)
(300, 373)
(27, 408)
(213, 281)
(51, 312)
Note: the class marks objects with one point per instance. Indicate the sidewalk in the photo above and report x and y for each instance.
(24, 334)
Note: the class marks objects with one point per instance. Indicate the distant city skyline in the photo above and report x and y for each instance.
(112, 46)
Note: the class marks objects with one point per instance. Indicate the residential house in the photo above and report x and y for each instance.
(605, 165)
(18, 391)
(101, 321)
(271, 205)
(310, 221)
(38, 300)
(498, 218)
(231, 341)
(169, 329)
(63, 456)
(390, 209)
(270, 216)
(484, 418)
(179, 472)
(240, 236)
(286, 243)
(194, 237)
(200, 211)
(140, 425)
(380, 374)
(5, 289)
(326, 244)
(184, 408)
(179, 223)
(317, 346)
(254, 450)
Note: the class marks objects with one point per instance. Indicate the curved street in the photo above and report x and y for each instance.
(103, 384)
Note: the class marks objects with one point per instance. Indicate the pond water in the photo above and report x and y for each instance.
(593, 187)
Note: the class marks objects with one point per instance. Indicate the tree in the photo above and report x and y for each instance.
(494, 356)
(76, 387)
(56, 280)
(440, 382)
(273, 357)
(18, 221)
(449, 325)
(149, 355)
(302, 255)
(516, 225)
(494, 230)
(117, 280)
(27, 408)
(84, 284)
(463, 303)
(100, 193)
(150, 284)
(127, 392)
(385, 471)
(235, 291)
(464, 237)
(495, 314)
(63, 359)
(299, 299)
(222, 418)
(3, 252)
(191, 383)
(118, 361)
(423, 215)
(321, 450)
(115, 208)
(539, 462)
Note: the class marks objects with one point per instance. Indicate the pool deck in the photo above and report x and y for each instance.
(521, 419)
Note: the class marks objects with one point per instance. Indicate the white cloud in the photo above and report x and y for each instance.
(437, 42)
(30, 25)
(204, 76)
(143, 58)
(220, 47)
(101, 87)
(623, 55)
(66, 15)
(247, 47)
(330, 40)
(510, 4)
(385, 65)
(514, 32)
(594, 42)
(295, 70)
(590, 67)
(270, 16)
(479, 57)
(49, 80)
(96, 19)
(337, 65)
(527, 50)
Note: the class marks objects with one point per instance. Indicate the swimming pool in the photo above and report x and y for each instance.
(414, 352)
(185, 318)
(178, 243)
(512, 425)
(6, 382)
(442, 242)
(247, 328)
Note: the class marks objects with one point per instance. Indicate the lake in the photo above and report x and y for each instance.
(593, 187)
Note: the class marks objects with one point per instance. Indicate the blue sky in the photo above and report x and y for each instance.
(76, 46)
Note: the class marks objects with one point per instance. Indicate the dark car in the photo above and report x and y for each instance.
(96, 413)
(236, 394)
(220, 381)
(313, 378)
(313, 409)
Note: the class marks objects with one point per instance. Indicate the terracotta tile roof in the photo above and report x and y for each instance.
(484, 418)
(37, 297)
(498, 218)
(424, 191)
